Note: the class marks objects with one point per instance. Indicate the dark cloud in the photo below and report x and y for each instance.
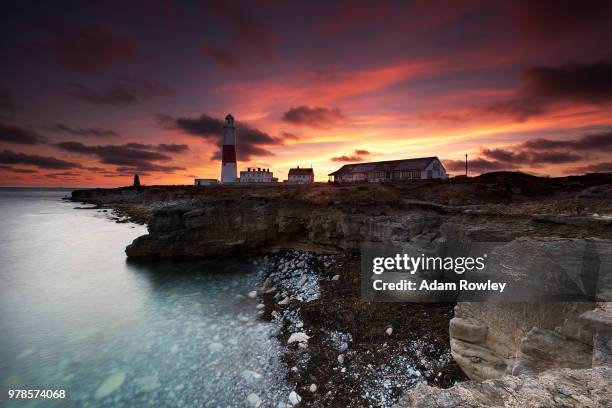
(605, 167)
(83, 132)
(478, 165)
(141, 168)
(17, 135)
(503, 155)
(91, 47)
(121, 93)
(554, 157)
(172, 148)
(357, 156)
(126, 174)
(250, 141)
(162, 147)
(44, 162)
(16, 170)
(590, 142)
(544, 87)
(313, 117)
(290, 136)
(526, 157)
(537, 152)
(63, 175)
(345, 158)
(131, 156)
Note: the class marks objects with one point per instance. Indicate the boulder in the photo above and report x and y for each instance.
(555, 388)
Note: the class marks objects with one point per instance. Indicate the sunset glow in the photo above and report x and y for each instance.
(92, 94)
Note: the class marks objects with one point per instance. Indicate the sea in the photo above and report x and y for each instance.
(76, 315)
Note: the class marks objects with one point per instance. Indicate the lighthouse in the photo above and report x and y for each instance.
(228, 152)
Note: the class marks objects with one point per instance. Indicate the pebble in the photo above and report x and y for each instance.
(340, 358)
(251, 376)
(252, 294)
(313, 388)
(336, 277)
(285, 301)
(260, 306)
(112, 383)
(300, 337)
(299, 325)
(294, 398)
(215, 347)
(389, 331)
(254, 400)
(302, 281)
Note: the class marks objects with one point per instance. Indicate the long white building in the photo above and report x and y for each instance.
(408, 169)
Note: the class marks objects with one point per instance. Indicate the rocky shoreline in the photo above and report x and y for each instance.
(317, 303)
(343, 352)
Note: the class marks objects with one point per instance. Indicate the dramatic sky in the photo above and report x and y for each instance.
(92, 92)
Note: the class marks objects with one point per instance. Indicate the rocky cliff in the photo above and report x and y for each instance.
(488, 340)
(556, 388)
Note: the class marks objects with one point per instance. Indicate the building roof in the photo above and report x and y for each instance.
(301, 172)
(420, 163)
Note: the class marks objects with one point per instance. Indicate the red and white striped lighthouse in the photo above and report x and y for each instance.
(228, 152)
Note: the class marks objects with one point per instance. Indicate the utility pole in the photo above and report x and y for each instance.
(466, 165)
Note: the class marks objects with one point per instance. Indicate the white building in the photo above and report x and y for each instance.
(257, 175)
(300, 176)
(205, 182)
(409, 169)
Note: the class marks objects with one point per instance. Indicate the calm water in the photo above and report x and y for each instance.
(75, 315)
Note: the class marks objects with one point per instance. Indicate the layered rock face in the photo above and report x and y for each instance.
(251, 226)
(556, 388)
(488, 340)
